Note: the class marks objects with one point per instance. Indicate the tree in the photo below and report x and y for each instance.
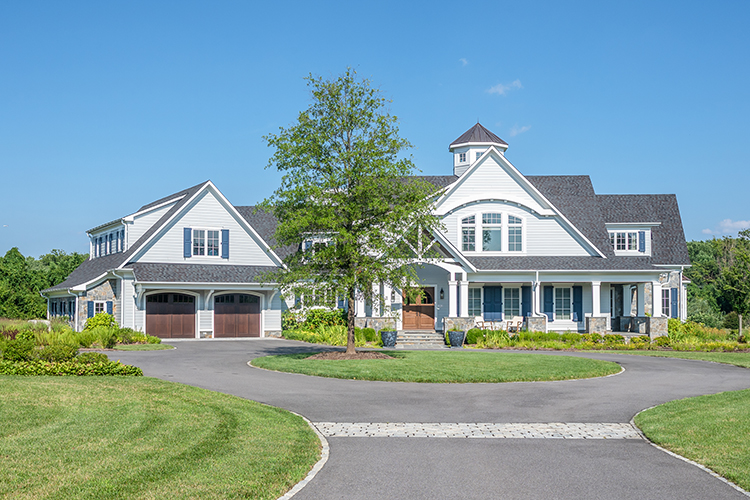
(734, 279)
(346, 197)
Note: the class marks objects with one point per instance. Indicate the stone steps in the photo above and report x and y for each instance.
(420, 339)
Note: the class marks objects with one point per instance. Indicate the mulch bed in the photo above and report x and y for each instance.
(337, 355)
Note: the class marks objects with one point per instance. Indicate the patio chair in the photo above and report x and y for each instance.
(514, 324)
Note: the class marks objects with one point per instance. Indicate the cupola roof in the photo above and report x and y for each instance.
(478, 135)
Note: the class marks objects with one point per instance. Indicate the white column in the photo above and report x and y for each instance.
(626, 299)
(375, 300)
(464, 309)
(360, 307)
(641, 299)
(387, 305)
(656, 296)
(452, 299)
(596, 298)
(536, 307)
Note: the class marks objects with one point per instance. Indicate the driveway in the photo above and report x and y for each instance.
(467, 468)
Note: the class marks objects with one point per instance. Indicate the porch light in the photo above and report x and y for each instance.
(442, 294)
(393, 295)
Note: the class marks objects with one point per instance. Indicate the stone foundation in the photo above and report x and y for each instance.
(464, 324)
(596, 325)
(376, 324)
(643, 325)
(658, 327)
(275, 334)
(536, 323)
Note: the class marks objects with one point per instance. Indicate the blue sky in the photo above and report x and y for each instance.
(106, 106)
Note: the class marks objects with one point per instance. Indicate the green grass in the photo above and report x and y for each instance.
(452, 366)
(731, 358)
(711, 430)
(142, 347)
(111, 438)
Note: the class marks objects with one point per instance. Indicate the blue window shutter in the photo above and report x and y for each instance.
(577, 303)
(225, 243)
(549, 302)
(109, 307)
(526, 300)
(641, 241)
(188, 237)
(500, 292)
(673, 303)
(90, 309)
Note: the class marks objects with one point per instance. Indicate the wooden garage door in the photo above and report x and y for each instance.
(419, 312)
(237, 315)
(170, 315)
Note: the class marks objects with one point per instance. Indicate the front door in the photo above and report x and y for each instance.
(493, 303)
(419, 311)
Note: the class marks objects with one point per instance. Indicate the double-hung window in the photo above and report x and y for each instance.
(468, 243)
(212, 238)
(512, 302)
(492, 231)
(206, 242)
(666, 309)
(199, 242)
(562, 303)
(624, 240)
(475, 301)
(515, 234)
(462, 157)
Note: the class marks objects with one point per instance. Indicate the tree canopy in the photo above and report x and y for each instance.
(22, 278)
(347, 196)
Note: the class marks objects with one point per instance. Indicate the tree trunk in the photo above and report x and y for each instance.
(350, 316)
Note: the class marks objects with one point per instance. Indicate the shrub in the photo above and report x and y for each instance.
(594, 338)
(571, 338)
(91, 357)
(57, 352)
(86, 338)
(366, 334)
(150, 339)
(18, 349)
(640, 340)
(662, 341)
(68, 368)
(473, 335)
(732, 321)
(125, 336)
(315, 318)
(614, 338)
(289, 320)
(10, 333)
(101, 319)
(105, 336)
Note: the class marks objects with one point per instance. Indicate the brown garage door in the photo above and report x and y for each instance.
(419, 310)
(237, 315)
(170, 315)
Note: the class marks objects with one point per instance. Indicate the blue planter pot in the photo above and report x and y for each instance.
(456, 338)
(388, 337)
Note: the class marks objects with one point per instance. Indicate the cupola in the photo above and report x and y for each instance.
(471, 145)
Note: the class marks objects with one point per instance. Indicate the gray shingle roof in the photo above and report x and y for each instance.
(439, 181)
(198, 273)
(189, 191)
(265, 224)
(478, 133)
(562, 263)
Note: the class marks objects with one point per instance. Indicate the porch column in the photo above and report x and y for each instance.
(464, 309)
(596, 298)
(536, 308)
(641, 300)
(627, 300)
(386, 306)
(656, 296)
(360, 307)
(376, 296)
(452, 299)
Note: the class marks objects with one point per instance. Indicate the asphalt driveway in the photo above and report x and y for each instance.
(436, 468)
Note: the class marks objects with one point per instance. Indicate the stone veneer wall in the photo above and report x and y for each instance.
(105, 291)
(464, 324)
(596, 325)
(376, 324)
(536, 323)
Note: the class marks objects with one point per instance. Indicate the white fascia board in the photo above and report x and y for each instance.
(470, 144)
(100, 228)
(456, 253)
(246, 225)
(525, 182)
(616, 225)
(673, 266)
(519, 203)
(131, 217)
(202, 285)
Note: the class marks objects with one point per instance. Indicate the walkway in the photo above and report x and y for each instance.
(389, 467)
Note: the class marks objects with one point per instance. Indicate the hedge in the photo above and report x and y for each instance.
(68, 368)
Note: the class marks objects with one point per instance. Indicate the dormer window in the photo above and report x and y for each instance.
(479, 154)
(462, 157)
(628, 241)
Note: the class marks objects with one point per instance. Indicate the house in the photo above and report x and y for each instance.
(547, 248)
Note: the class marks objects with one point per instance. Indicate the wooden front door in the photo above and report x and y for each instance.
(237, 315)
(170, 315)
(419, 312)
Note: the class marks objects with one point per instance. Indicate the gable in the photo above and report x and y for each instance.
(208, 211)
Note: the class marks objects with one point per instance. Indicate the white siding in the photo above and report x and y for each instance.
(205, 321)
(272, 315)
(127, 295)
(207, 213)
(140, 320)
(142, 223)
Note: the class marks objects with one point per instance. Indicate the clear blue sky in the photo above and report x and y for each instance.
(106, 106)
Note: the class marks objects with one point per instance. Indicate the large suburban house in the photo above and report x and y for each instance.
(545, 248)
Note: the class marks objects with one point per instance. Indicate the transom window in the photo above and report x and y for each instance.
(512, 302)
(468, 243)
(515, 233)
(475, 301)
(206, 242)
(492, 232)
(562, 303)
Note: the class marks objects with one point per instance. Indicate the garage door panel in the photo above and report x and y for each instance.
(170, 315)
(237, 315)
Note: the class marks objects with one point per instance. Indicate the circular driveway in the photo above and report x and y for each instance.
(436, 468)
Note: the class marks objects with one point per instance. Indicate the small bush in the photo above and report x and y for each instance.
(101, 319)
(571, 338)
(150, 339)
(473, 335)
(315, 318)
(19, 349)
(57, 352)
(88, 358)
(68, 368)
(289, 320)
(105, 336)
(366, 334)
(125, 336)
(662, 341)
(640, 340)
(594, 338)
(732, 321)
(614, 338)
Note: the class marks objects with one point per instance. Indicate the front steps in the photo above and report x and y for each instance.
(420, 339)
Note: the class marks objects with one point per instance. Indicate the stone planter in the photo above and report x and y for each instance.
(388, 337)
(456, 339)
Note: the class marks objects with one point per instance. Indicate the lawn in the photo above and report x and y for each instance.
(732, 358)
(111, 438)
(711, 430)
(445, 366)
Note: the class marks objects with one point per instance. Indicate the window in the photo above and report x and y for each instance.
(213, 243)
(199, 242)
(512, 302)
(562, 303)
(468, 243)
(479, 155)
(462, 157)
(492, 230)
(100, 307)
(624, 241)
(515, 229)
(101, 246)
(666, 309)
(475, 301)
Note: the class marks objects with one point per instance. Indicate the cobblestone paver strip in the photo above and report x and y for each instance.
(555, 430)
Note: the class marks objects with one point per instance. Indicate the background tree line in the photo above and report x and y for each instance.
(720, 277)
(22, 278)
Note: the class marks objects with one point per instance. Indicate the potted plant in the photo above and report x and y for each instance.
(456, 337)
(388, 337)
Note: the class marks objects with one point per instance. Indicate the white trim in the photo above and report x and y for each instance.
(131, 217)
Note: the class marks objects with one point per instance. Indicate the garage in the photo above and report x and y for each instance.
(237, 315)
(170, 315)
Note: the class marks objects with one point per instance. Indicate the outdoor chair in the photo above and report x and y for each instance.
(514, 324)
